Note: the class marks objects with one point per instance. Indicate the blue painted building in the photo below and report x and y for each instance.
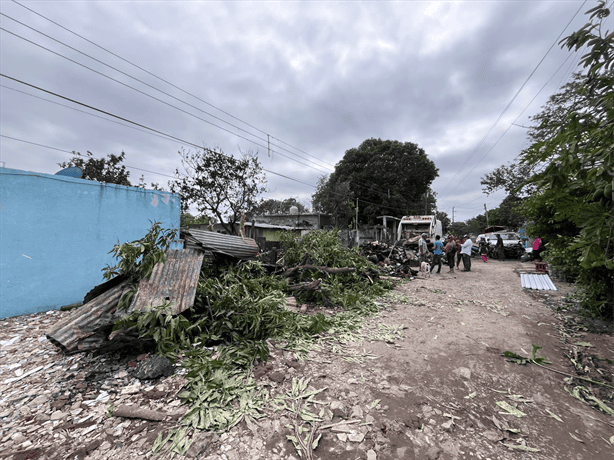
(56, 233)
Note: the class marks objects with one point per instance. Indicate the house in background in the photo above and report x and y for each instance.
(307, 221)
(56, 233)
(266, 229)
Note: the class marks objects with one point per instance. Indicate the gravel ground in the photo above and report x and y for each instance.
(423, 380)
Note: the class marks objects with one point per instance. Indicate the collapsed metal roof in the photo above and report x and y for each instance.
(235, 246)
(538, 282)
(174, 281)
(83, 328)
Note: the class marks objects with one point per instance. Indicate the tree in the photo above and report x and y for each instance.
(106, 170)
(272, 206)
(335, 199)
(219, 185)
(387, 177)
(514, 179)
(459, 229)
(573, 160)
(508, 214)
(189, 219)
(445, 220)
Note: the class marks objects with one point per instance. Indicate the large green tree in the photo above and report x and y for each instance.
(219, 185)
(573, 160)
(108, 170)
(387, 177)
(335, 199)
(444, 219)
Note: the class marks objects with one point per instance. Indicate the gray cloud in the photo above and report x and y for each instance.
(319, 76)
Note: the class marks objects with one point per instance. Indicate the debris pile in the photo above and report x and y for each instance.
(171, 341)
(399, 260)
(172, 281)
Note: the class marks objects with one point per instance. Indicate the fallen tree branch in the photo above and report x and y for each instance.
(145, 414)
(332, 271)
(311, 286)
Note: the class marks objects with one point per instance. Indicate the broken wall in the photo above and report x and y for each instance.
(56, 233)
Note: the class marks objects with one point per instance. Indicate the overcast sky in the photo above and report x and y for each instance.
(317, 77)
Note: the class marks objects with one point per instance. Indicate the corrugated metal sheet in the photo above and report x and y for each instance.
(538, 282)
(235, 246)
(87, 320)
(174, 280)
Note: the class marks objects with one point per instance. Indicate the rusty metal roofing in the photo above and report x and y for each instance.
(539, 282)
(174, 280)
(70, 333)
(236, 246)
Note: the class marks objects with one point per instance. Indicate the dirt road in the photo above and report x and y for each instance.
(423, 380)
(439, 386)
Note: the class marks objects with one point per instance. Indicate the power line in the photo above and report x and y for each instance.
(360, 200)
(358, 182)
(510, 103)
(147, 131)
(83, 111)
(73, 153)
(161, 79)
(133, 122)
(152, 97)
(138, 80)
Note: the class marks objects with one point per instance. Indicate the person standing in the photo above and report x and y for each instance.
(466, 253)
(537, 248)
(459, 256)
(422, 248)
(437, 254)
(483, 250)
(500, 248)
(450, 251)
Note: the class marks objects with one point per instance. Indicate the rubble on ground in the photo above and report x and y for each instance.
(397, 260)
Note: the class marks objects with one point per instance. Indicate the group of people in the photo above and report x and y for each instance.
(455, 250)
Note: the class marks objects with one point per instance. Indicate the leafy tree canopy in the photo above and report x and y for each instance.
(219, 185)
(108, 170)
(572, 160)
(514, 179)
(445, 220)
(189, 219)
(336, 199)
(387, 177)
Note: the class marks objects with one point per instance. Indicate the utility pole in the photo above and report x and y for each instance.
(357, 239)
(452, 225)
(486, 211)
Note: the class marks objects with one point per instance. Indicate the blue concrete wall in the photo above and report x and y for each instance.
(56, 232)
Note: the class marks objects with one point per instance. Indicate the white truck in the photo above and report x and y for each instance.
(413, 226)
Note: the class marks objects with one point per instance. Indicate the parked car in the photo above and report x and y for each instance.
(512, 244)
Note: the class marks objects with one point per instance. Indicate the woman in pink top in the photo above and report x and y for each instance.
(537, 248)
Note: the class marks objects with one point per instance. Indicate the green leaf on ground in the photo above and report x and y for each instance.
(471, 396)
(554, 416)
(375, 403)
(510, 409)
(584, 344)
(519, 447)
